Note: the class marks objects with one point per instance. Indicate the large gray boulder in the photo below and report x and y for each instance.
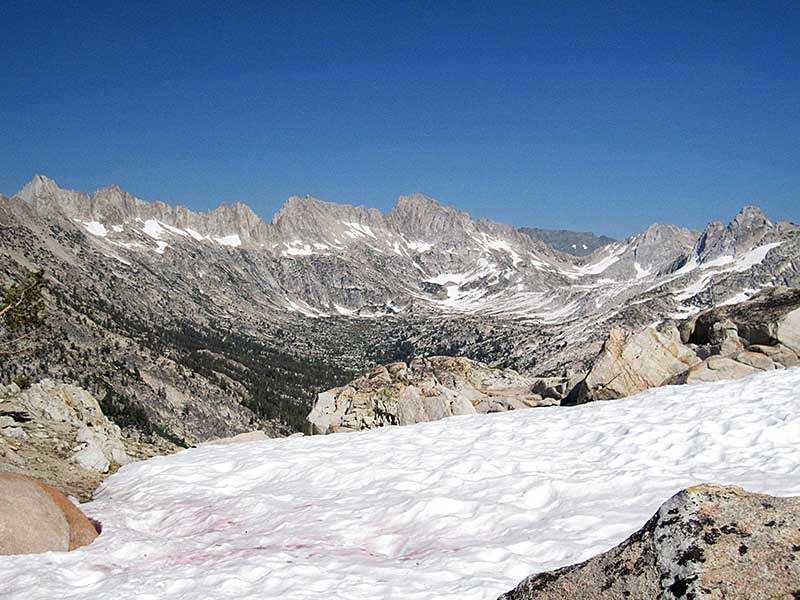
(425, 389)
(706, 542)
(632, 362)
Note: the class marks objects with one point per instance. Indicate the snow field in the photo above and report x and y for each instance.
(461, 508)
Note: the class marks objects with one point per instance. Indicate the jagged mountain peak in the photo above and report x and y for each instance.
(660, 233)
(417, 203)
(309, 215)
(748, 229)
(237, 209)
(110, 189)
(750, 217)
(40, 186)
(417, 199)
(425, 218)
(37, 182)
(44, 195)
(299, 205)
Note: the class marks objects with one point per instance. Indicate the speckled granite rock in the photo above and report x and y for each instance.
(707, 542)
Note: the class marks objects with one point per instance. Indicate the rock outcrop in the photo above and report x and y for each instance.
(97, 441)
(57, 433)
(706, 542)
(738, 340)
(726, 342)
(771, 317)
(36, 517)
(633, 362)
(425, 389)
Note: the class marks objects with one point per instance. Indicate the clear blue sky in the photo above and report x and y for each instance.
(547, 114)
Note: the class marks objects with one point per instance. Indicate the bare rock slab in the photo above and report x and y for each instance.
(633, 362)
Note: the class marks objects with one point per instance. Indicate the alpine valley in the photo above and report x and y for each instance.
(202, 325)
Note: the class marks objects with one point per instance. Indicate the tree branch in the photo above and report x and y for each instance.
(14, 342)
(22, 299)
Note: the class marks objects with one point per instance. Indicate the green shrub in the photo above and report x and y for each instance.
(22, 382)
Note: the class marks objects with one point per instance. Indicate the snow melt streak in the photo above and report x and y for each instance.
(461, 508)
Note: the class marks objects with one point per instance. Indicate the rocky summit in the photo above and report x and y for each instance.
(193, 326)
(707, 542)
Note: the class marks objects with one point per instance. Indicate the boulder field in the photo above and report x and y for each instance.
(426, 389)
(726, 342)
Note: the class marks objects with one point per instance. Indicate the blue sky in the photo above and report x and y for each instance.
(552, 114)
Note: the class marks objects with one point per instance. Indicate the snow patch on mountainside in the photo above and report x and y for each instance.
(489, 243)
(742, 296)
(461, 508)
(229, 240)
(640, 272)
(600, 265)
(356, 230)
(723, 264)
(95, 228)
(744, 262)
(196, 235)
(153, 228)
(298, 248)
(417, 246)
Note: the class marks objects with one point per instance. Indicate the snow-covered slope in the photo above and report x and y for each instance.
(461, 508)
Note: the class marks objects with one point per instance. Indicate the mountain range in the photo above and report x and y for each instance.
(206, 324)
